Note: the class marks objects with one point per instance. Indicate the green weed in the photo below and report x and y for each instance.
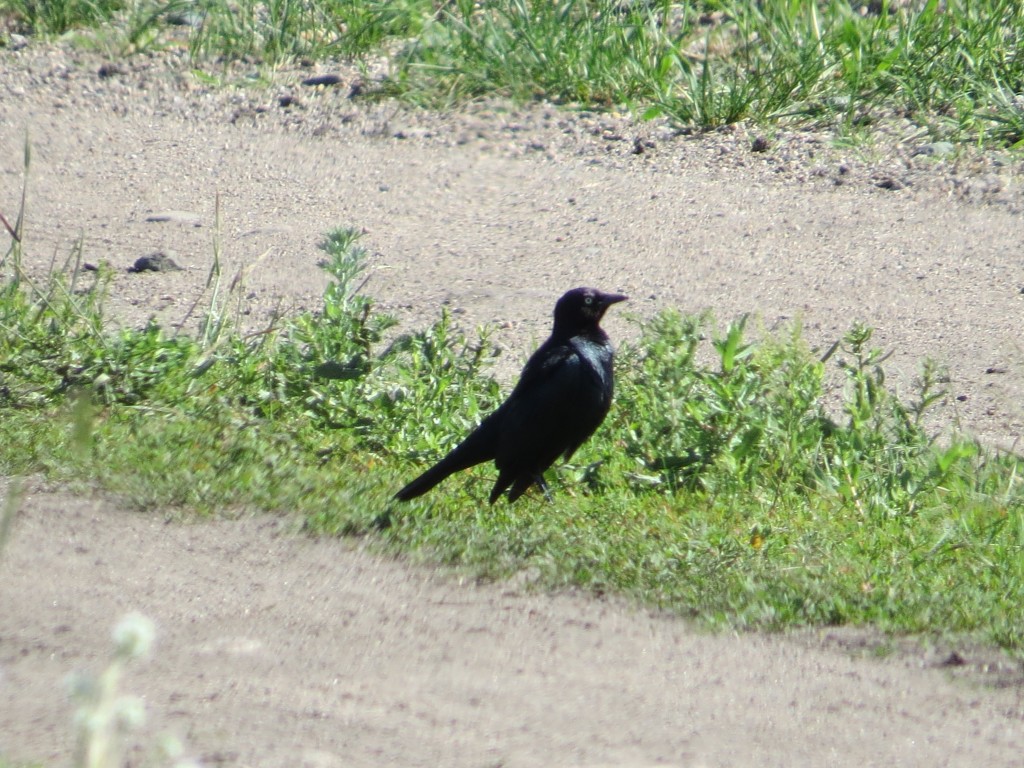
(581, 52)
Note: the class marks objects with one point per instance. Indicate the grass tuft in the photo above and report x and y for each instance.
(952, 68)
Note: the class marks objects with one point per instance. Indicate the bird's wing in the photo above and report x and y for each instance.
(547, 363)
(551, 408)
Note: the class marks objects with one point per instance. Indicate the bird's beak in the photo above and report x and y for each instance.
(612, 298)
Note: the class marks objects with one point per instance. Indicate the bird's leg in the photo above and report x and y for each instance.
(539, 480)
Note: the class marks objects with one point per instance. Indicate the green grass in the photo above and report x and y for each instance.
(725, 491)
(58, 16)
(952, 68)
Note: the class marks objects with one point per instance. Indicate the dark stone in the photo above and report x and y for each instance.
(322, 80)
(155, 262)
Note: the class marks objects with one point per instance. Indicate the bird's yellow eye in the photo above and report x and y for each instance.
(589, 300)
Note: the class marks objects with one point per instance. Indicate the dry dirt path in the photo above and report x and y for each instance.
(275, 650)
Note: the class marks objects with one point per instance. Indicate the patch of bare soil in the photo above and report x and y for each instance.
(276, 650)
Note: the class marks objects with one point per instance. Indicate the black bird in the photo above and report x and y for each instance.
(562, 396)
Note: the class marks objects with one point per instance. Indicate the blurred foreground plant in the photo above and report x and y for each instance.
(105, 717)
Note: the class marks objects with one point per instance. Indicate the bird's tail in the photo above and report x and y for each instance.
(475, 449)
(426, 481)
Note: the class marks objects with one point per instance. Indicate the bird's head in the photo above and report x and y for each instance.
(583, 308)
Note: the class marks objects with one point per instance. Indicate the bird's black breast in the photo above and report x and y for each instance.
(595, 366)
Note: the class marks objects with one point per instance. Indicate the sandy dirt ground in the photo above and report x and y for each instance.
(276, 650)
